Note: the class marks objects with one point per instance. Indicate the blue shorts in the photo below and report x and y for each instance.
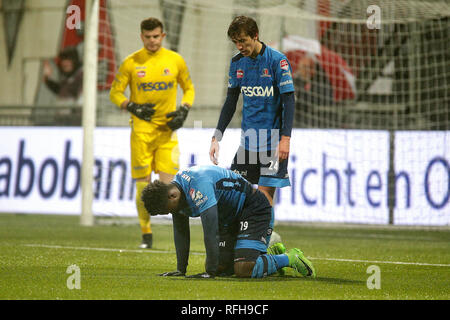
(248, 236)
(261, 168)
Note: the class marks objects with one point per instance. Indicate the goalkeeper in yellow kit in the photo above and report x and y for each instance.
(152, 74)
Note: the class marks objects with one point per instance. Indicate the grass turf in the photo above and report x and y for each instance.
(36, 251)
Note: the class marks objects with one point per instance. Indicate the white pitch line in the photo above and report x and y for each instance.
(104, 249)
(385, 262)
(202, 253)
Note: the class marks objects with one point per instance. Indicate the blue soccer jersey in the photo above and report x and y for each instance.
(261, 81)
(206, 186)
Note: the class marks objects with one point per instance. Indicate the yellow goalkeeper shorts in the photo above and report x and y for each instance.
(154, 151)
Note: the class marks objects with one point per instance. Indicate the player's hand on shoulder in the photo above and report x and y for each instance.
(172, 274)
(142, 111)
(179, 116)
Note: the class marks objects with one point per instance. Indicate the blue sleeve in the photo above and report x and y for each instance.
(283, 75)
(288, 100)
(228, 109)
(202, 191)
(210, 223)
(233, 76)
(181, 236)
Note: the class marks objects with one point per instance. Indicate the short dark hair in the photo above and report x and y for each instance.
(243, 24)
(151, 24)
(70, 53)
(155, 197)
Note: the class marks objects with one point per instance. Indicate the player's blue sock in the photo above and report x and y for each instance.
(282, 260)
(267, 264)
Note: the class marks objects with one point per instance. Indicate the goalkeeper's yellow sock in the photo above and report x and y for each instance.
(144, 216)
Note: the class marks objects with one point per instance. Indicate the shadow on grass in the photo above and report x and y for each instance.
(279, 278)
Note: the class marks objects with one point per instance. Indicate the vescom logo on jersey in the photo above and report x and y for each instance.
(257, 91)
(157, 86)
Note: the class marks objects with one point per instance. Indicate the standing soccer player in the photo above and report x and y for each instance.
(263, 76)
(153, 74)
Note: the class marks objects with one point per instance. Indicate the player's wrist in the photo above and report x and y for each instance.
(125, 104)
(185, 109)
(215, 139)
(217, 136)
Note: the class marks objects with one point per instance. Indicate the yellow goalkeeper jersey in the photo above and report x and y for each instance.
(153, 78)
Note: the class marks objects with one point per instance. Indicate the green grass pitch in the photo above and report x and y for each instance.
(36, 251)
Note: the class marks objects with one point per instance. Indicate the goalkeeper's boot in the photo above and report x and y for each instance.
(147, 241)
(275, 249)
(300, 264)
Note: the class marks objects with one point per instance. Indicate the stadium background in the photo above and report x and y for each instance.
(377, 103)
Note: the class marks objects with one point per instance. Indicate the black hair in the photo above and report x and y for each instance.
(155, 197)
(150, 24)
(70, 53)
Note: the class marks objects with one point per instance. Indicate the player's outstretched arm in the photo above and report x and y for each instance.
(181, 236)
(210, 223)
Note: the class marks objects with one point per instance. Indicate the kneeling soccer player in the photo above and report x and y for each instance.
(236, 223)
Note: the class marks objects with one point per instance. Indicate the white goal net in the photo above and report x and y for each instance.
(371, 142)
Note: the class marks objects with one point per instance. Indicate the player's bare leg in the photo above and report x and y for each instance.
(269, 192)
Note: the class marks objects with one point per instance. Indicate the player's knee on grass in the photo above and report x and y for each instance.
(244, 262)
(263, 266)
(244, 269)
(225, 269)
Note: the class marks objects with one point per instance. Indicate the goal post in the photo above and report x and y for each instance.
(89, 110)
